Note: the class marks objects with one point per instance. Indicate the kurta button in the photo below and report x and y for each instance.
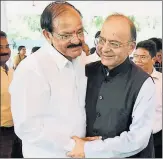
(100, 97)
(98, 114)
(95, 132)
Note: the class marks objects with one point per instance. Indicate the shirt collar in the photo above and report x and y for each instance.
(155, 74)
(5, 68)
(59, 59)
(122, 68)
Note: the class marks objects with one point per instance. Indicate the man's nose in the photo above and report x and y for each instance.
(106, 47)
(75, 39)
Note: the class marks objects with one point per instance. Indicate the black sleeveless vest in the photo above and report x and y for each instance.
(110, 100)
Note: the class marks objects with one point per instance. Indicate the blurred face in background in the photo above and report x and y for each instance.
(5, 51)
(86, 49)
(143, 59)
(159, 56)
(23, 51)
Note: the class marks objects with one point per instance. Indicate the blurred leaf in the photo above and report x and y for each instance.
(97, 21)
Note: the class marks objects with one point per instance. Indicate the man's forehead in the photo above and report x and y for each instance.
(68, 20)
(141, 51)
(159, 53)
(116, 29)
(3, 40)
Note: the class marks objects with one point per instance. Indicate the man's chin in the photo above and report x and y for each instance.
(141, 66)
(75, 54)
(4, 59)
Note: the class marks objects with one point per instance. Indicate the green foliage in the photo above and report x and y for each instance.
(97, 22)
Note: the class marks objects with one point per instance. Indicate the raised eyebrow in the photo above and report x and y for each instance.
(81, 29)
(64, 33)
(114, 41)
(102, 37)
(139, 55)
(5, 45)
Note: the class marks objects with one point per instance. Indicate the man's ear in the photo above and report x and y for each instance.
(153, 60)
(132, 47)
(47, 35)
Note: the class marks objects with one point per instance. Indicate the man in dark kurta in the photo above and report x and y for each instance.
(120, 99)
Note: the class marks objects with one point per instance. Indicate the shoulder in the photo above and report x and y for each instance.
(16, 56)
(40, 62)
(92, 67)
(158, 79)
(137, 71)
(159, 75)
(28, 64)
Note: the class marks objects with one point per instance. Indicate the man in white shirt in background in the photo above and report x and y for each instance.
(144, 57)
(52, 86)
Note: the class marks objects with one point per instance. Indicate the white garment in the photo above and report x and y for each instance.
(48, 103)
(157, 77)
(91, 58)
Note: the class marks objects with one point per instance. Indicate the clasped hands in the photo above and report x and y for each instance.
(78, 150)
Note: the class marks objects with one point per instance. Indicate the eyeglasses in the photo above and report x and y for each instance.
(69, 37)
(112, 44)
(141, 57)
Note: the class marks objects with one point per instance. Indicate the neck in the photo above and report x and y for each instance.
(68, 58)
(5, 67)
(159, 61)
(150, 70)
(22, 55)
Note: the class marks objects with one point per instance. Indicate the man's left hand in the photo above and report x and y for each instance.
(78, 150)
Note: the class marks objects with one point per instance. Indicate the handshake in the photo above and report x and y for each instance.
(78, 150)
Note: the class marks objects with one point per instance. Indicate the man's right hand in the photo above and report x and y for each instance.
(91, 138)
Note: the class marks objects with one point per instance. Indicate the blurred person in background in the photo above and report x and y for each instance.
(93, 52)
(158, 59)
(20, 56)
(144, 57)
(10, 145)
(86, 49)
(94, 49)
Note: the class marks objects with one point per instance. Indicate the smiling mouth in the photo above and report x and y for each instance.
(4, 54)
(108, 56)
(76, 48)
(140, 65)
